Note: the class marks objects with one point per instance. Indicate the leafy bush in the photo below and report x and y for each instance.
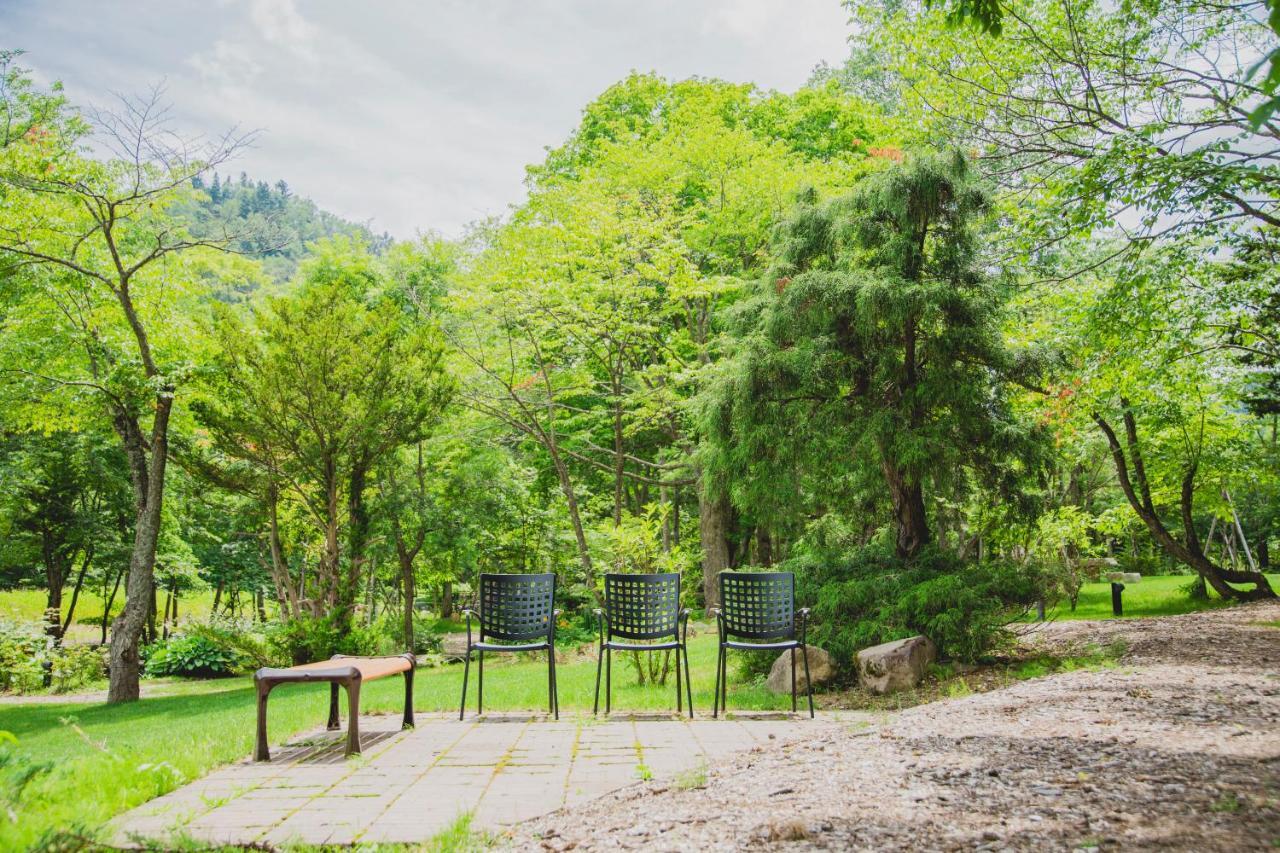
(25, 650)
(309, 638)
(75, 667)
(22, 655)
(240, 637)
(867, 597)
(192, 655)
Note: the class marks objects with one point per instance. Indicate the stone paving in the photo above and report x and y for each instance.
(407, 786)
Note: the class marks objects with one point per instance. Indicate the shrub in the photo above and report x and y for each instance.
(867, 597)
(239, 637)
(78, 666)
(309, 638)
(23, 651)
(192, 655)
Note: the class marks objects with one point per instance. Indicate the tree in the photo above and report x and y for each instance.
(314, 390)
(874, 344)
(105, 266)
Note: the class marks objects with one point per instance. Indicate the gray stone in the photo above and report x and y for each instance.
(899, 665)
(822, 668)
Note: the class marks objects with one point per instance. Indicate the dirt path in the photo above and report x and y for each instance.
(1177, 748)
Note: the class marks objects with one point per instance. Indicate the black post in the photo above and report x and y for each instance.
(1117, 607)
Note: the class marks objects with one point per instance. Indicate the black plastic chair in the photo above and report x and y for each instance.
(519, 611)
(759, 608)
(644, 609)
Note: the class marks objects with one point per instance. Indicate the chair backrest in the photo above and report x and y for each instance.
(516, 607)
(642, 607)
(759, 605)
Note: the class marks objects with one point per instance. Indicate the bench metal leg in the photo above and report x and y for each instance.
(335, 721)
(260, 751)
(408, 697)
(353, 712)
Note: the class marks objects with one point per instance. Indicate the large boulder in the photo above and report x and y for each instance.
(899, 665)
(822, 667)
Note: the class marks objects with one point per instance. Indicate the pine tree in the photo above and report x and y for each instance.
(873, 349)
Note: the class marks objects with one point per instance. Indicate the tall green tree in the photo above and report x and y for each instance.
(104, 282)
(874, 344)
(314, 390)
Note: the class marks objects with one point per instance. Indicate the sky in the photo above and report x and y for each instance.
(410, 116)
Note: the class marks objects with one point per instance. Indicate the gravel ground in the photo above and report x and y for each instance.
(1177, 748)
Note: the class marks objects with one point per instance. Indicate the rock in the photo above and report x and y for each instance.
(821, 669)
(899, 665)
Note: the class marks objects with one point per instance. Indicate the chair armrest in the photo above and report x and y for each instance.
(684, 625)
(803, 615)
(468, 614)
(719, 622)
(551, 629)
(602, 621)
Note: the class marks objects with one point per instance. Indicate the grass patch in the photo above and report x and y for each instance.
(103, 760)
(1157, 595)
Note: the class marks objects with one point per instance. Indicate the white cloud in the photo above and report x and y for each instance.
(415, 116)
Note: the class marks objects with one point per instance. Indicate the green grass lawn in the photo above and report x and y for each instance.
(1157, 595)
(107, 759)
(27, 605)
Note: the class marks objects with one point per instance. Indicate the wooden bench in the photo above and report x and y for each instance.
(350, 673)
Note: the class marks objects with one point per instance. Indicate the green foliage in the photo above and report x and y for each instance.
(194, 656)
(75, 667)
(306, 639)
(873, 350)
(22, 651)
(868, 597)
(26, 654)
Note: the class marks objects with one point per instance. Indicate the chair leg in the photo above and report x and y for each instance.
(555, 686)
(679, 693)
(595, 709)
(334, 722)
(793, 679)
(608, 681)
(804, 651)
(715, 697)
(480, 687)
(353, 712)
(724, 682)
(688, 683)
(466, 670)
(551, 680)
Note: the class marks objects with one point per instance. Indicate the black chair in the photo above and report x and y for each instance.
(759, 608)
(519, 611)
(642, 608)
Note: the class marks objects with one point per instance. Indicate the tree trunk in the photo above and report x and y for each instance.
(910, 518)
(410, 585)
(148, 478)
(1137, 491)
(357, 541)
(713, 522)
(446, 600)
(764, 546)
(111, 600)
(75, 592)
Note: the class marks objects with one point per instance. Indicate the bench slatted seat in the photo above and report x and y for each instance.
(340, 670)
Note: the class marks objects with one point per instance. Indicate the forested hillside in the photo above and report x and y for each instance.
(275, 225)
